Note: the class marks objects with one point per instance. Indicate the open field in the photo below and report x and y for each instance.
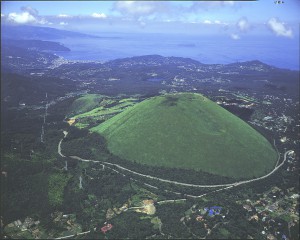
(85, 104)
(188, 131)
(99, 108)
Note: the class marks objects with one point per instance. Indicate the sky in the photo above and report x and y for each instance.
(232, 18)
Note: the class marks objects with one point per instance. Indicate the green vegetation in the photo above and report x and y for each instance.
(191, 132)
(24, 190)
(84, 104)
(56, 186)
(224, 232)
(91, 145)
(92, 109)
(100, 111)
(248, 99)
(156, 222)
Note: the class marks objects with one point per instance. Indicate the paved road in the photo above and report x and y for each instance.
(225, 186)
(172, 201)
(175, 182)
(59, 144)
(73, 235)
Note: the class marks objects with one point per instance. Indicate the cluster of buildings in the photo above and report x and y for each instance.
(33, 229)
(204, 215)
(275, 210)
(19, 229)
(272, 114)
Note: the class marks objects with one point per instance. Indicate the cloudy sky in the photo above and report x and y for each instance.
(233, 18)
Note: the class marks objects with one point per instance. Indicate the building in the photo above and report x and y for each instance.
(106, 228)
(199, 218)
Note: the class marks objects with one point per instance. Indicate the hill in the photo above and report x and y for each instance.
(38, 33)
(191, 132)
(152, 60)
(85, 104)
(37, 45)
(19, 60)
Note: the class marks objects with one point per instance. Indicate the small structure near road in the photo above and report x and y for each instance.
(106, 228)
(146, 207)
(71, 121)
(212, 211)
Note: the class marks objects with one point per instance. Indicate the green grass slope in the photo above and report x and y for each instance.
(188, 131)
(84, 104)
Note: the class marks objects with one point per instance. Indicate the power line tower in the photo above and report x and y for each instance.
(42, 134)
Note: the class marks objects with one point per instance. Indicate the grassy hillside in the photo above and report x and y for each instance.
(84, 104)
(188, 131)
(92, 109)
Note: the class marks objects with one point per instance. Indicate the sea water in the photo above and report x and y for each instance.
(276, 51)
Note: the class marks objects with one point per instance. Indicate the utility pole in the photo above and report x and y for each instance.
(42, 134)
(46, 109)
(66, 166)
(80, 182)
(30, 154)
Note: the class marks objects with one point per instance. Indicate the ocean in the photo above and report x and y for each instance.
(276, 51)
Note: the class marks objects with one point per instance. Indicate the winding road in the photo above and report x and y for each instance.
(224, 186)
(229, 185)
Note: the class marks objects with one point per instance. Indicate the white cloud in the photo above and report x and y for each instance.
(30, 10)
(141, 8)
(229, 3)
(216, 22)
(132, 7)
(279, 28)
(205, 5)
(243, 24)
(142, 24)
(63, 16)
(235, 36)
(2, 15)
(63, 23)
(28, 15)
(99, 15)
(207, 22)
(22, 18)
(42, 21)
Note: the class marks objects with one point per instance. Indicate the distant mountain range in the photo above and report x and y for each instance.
(27, 51)
(26, 32)
(161, 60)
(38, 45)
(39, 33)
